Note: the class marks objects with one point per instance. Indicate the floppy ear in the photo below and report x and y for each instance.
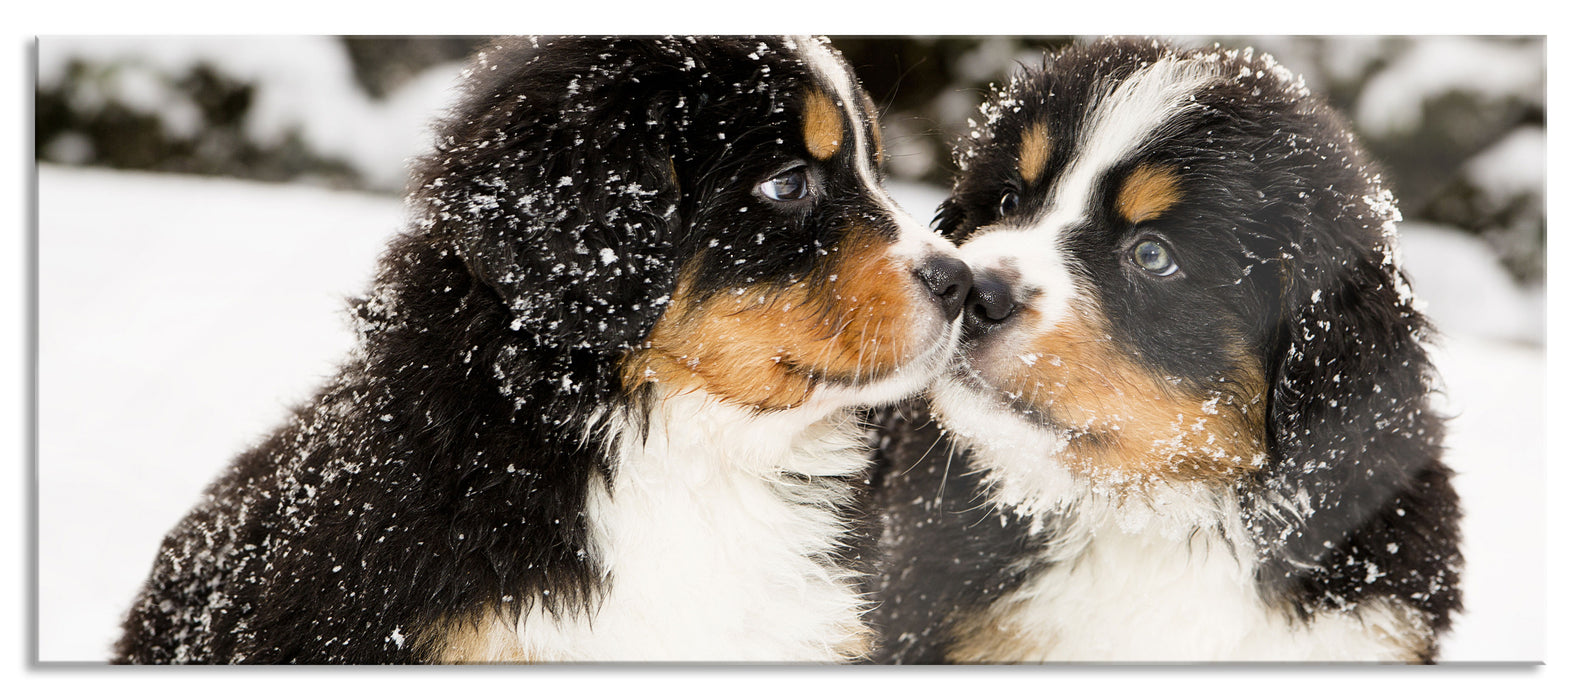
(1354, 485)
(555, 185)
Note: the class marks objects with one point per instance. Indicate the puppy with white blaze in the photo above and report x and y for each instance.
(604, 400)
(1191, 417)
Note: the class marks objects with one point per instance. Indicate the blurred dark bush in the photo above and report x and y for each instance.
(384, 63)
(1457, 121)
(70, 128)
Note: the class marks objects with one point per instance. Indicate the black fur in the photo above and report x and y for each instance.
(940, 553)
(444, 470)
(1287, 256)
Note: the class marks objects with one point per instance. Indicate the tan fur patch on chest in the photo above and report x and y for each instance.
(994, 637)
(482, 639)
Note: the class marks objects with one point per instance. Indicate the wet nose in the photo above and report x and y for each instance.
(988, 304)
(948, 280)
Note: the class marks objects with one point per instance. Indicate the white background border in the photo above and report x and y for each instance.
(836, 17)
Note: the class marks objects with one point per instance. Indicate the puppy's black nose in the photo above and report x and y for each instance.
(988, 305)
(948, 279)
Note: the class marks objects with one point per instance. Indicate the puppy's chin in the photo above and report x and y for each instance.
(987, 418)
(1019, 450)
(937, 346)
(983, 396)
(1027, 454)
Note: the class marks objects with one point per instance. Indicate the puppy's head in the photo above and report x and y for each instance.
(693, 214)
(1185, 273)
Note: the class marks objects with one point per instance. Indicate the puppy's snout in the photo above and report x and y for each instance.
(948, 280)
(988, 305)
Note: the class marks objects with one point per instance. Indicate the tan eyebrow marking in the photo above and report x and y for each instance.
(1148, 192)
(1035, 152)
(821, 125)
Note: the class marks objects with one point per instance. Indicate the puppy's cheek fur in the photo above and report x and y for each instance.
(770, 347)
(1123, 421)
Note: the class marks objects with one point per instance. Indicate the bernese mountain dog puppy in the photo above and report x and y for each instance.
(604, 401)
(1192, 416)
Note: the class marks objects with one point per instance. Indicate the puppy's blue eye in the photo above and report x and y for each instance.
(1154, 258)
(1008, 203)
(788, 186)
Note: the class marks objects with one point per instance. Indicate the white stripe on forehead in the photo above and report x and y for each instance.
(1118, 124)
(916, 239)
(825, 65)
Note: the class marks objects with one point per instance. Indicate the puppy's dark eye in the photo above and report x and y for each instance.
(1008, 203)
(1154, 258)
(788, 186)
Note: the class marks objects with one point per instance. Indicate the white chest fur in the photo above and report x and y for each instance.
(715, 541)
(1127, 585)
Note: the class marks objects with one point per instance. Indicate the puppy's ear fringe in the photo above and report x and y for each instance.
(564, 202)
(1354, 484)
(1349, 360)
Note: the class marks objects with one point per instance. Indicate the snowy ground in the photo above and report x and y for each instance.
(180, 317)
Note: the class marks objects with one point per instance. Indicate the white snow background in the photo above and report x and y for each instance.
(180, 318)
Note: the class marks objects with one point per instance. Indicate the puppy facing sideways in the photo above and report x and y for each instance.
(1192, 415)
(602, 406)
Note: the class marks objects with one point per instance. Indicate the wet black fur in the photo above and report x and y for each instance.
(444, 470)
(938, 553)
(1282, 258)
